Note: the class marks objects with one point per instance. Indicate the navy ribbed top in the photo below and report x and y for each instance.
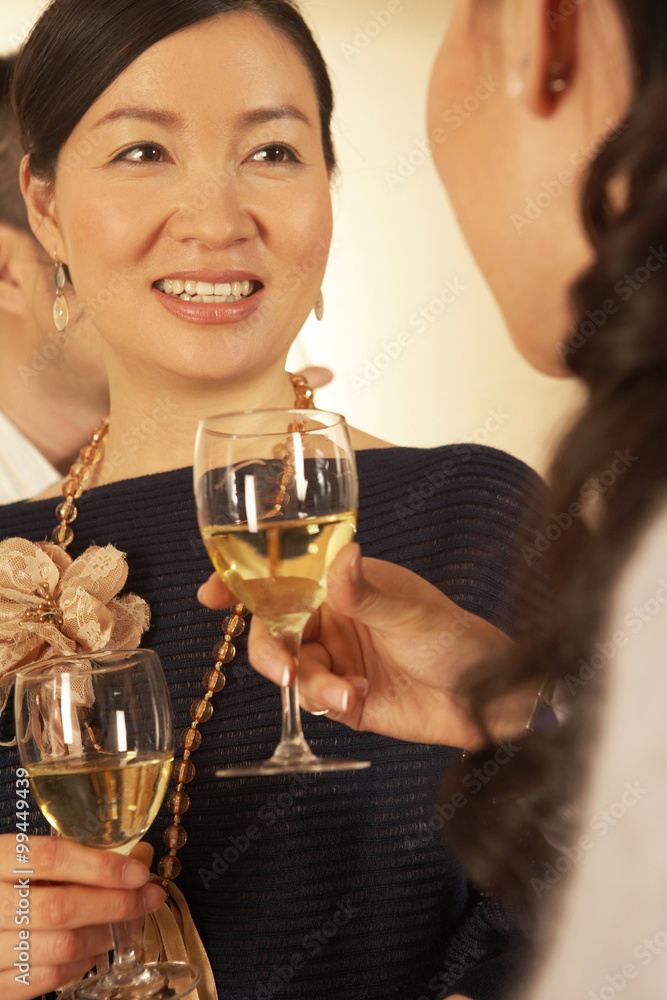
(318, 887)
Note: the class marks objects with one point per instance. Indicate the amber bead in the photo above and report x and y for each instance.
(233, 626)
(201, 710)
(214, 681)
(184, 771)
(285, 481)
(241, 611)
(79, 470)
(66, 512)
(174, 837)
(62, 536)
(224, 652)
(91, 455)
(98, 435)
(178, 802)
(169, 867)
(190, 739)
(73, 488)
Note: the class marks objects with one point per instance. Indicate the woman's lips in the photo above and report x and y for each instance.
(210, 297)
(207, 291)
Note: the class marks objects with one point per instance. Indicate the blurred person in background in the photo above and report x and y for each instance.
(53, 386)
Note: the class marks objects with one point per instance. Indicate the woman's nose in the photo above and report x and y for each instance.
(212, 212)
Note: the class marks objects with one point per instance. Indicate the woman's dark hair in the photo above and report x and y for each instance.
(609, 480)
(78, 48)
(12, 207)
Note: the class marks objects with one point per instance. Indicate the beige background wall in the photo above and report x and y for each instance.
(453, 374)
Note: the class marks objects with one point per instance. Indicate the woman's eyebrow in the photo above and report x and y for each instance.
(263, 115)
(155, 116)
(169, 119)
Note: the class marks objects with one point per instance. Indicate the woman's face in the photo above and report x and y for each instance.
(192, 203)
(517, 145)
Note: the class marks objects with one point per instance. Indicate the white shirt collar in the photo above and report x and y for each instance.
(24, 472)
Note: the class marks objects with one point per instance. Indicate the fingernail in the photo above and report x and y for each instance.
(154, 897)
(199, 593)
(285, 681)
(336, 698)
(360, 685)
(135, 874)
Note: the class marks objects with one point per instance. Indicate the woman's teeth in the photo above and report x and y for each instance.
(205, 291)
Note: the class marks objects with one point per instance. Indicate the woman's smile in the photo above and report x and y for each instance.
(210, 297)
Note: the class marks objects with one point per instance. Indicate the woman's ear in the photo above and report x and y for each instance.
(39, 196)
(550, 30)
(13, 300)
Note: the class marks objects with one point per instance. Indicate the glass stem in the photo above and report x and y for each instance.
(124, 955)
(293, 744)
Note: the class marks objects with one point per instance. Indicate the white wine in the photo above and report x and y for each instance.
(280, 570)
(107, 801)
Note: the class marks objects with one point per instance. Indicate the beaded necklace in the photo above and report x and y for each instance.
(224, 652)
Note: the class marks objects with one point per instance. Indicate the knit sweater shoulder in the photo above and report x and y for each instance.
(325, 887)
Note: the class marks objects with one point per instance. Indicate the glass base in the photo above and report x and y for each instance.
(308, 765)
(157, 981)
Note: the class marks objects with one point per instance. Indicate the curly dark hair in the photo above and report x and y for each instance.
(609, 480)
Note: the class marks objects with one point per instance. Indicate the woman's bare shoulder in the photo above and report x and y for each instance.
(362, 441)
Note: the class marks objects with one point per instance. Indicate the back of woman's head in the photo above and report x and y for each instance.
(12, 207)
(609, 477)
(78, 48)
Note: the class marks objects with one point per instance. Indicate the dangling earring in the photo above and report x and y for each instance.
(60, 307)
(319, 307)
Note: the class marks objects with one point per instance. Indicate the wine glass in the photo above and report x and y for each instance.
(277, 497)
(95, 734)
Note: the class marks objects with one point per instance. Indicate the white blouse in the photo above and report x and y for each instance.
(610, 937)
(24, 472)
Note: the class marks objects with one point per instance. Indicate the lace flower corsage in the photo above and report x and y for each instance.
(51, 605)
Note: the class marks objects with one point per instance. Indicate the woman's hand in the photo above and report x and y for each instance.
(73, 894)
(387, 652)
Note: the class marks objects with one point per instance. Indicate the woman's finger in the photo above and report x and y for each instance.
(316, 376)
(268, 656)
(56, 907)
(143, 852)
(55, 859)
(215, 594)
(320, 690)
(353, 592)
(58, 947)
(43, 979)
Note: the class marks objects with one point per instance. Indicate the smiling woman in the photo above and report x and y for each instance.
(178, 164)
(169, 186)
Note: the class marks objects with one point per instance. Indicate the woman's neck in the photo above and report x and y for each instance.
(152, 428)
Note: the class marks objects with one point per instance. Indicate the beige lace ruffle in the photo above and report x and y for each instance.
(51, 605)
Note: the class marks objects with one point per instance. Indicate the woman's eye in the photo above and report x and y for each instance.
(275, 154)
(142, 154)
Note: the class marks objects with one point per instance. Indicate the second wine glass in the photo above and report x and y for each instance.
(277, 498)
(95, 735)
